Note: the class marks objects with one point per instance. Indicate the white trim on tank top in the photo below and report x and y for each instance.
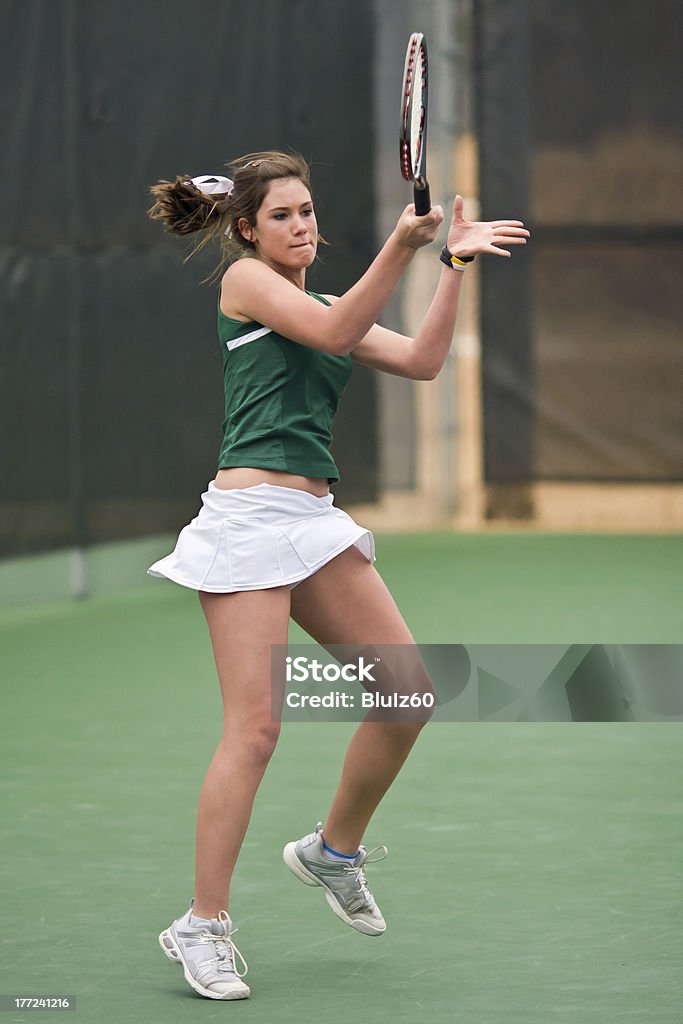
(246, 338)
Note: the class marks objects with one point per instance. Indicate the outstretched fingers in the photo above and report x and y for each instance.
(509, 230)
(508, 240)
(506, 232)
(469, 238)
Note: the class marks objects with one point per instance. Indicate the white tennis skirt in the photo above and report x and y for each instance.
(258, 537)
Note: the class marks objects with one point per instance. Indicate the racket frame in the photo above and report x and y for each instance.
(416, 172)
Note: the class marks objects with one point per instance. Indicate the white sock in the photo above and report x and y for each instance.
(194, 921)
(329, 854)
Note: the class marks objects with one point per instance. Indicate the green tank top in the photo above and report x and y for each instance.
(280, 400)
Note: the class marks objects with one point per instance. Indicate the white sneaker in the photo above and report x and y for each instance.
(346, 888)
(207, 954)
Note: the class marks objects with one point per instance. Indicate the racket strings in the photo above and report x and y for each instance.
(417, 116)
(413, 114)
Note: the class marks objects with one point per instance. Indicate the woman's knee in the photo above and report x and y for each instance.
(253, 743)
(404, 694)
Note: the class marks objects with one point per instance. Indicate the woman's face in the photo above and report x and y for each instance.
(286, 231)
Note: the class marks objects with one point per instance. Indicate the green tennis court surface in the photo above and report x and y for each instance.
(534, 870)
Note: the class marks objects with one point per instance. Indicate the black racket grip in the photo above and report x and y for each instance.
(423, 201)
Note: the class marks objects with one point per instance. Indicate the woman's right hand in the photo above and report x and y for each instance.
(415, 232)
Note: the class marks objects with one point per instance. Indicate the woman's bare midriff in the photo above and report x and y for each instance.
(227, 479)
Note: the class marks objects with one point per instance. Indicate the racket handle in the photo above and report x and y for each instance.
(423, 202)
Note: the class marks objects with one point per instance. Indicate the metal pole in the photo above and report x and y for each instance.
(74, 307)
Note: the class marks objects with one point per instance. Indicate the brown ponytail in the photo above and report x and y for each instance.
(184, 210)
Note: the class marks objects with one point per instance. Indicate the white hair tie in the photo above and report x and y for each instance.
(213, 184)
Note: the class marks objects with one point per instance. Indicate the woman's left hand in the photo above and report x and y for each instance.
(469, 237)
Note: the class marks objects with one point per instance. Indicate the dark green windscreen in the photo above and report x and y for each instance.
(110, 370)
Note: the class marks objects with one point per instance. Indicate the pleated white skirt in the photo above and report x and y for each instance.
(259, 537)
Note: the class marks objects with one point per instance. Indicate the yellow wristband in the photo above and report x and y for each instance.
(455, 262)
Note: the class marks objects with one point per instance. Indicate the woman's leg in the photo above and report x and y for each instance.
(347, 602)
(242, 627)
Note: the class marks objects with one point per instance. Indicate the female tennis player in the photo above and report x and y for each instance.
(268, 542)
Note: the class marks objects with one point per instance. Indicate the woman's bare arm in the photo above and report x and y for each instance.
(422, 357)
(259, 293)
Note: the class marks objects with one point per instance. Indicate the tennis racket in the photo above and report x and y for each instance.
(414, 122)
